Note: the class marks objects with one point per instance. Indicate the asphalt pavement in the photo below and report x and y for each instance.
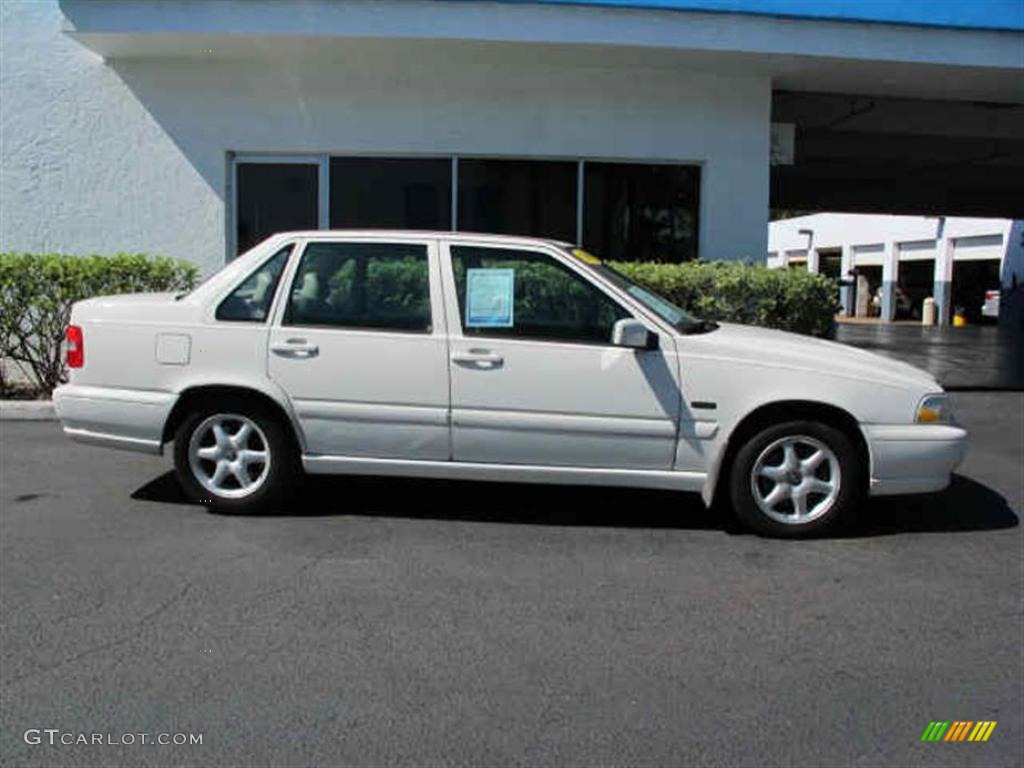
(394, 622)
(975, 357)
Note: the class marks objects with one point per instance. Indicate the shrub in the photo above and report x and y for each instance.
(738, 292)
(37, 291)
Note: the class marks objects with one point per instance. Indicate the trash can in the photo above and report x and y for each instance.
(928, 311)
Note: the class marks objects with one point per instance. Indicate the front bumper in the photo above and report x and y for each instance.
(913, 458)
(129, 419)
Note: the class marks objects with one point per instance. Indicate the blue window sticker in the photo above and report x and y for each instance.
(490, 295)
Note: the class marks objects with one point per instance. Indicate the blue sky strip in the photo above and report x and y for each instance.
(964, 14)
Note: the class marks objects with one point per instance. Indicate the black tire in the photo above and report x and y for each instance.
(769, 447)
(275, 483)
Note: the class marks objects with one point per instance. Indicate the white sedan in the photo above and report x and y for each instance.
(491, 358)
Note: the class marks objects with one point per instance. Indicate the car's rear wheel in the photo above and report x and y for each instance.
(796, 479)
(235, 457)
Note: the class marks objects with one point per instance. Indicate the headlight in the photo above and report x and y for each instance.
(934, 409)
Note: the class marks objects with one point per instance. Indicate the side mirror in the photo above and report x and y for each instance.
(629, 332)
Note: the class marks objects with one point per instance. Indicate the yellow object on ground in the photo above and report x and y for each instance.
(959, 321)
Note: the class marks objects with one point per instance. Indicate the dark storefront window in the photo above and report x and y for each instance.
(518, 197)
(630, 211)
(635, 212)
(274, 197)
(391, 193)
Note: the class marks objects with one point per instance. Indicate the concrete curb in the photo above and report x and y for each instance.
(27, 410)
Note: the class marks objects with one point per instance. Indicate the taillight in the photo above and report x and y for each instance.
(75, 347)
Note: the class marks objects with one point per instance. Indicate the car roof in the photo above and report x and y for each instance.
(450, 235)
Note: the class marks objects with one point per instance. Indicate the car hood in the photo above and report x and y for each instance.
(779, 349)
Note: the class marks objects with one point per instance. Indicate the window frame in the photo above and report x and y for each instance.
(453, 308)
(438, 318)
(319, 159)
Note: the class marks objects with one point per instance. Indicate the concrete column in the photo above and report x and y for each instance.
(813, 260)
(890, 274)
(846, 291)
(942, 291)
(863, 299)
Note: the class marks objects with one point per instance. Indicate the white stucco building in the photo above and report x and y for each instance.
(954, 260)
(193, 128)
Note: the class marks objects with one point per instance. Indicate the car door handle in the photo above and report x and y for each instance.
(294, 348)
(478, 357)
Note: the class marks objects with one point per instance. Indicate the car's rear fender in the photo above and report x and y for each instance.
(262, 391)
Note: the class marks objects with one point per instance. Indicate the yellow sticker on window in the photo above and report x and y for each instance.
(585, 257)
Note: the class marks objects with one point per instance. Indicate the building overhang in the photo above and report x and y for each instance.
(794, 53)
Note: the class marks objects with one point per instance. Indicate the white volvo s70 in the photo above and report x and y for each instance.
(491, 358)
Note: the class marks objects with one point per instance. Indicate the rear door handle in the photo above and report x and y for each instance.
(294, 348)
(478, 357)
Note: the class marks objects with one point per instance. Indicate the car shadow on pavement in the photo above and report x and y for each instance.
(966, 505)
(526, 503)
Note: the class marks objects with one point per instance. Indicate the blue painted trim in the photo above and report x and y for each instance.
(957, 14)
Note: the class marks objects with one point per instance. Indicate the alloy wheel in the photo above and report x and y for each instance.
(796, 479)
(229, 455)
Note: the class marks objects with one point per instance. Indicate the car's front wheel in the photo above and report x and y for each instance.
(800, 478)
(235, 457)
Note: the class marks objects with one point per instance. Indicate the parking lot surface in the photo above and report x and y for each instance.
(410, 622)
(975, 357)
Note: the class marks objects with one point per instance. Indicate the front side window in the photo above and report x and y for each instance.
(529, 295)
(250, 302)
(362, 285)
(659, 305)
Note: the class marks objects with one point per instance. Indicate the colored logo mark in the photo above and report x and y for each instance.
(958, 730)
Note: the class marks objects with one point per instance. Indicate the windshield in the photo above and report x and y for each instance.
(679, 318)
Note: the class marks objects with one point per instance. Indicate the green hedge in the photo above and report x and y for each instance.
(37, 291)
(789, 299)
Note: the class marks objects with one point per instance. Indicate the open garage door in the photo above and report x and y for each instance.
(976, 270)
(915, 278)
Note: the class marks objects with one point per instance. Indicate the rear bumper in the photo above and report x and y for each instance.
(128, 419)
(913, 458)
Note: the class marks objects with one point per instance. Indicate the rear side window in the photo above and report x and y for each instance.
(362, 285)
(250, 302)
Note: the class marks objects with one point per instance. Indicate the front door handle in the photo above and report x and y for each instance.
(482, 357)
(295, 348)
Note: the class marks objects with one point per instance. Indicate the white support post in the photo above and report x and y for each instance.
(846, 291)
(943, 288)
(890, 276)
